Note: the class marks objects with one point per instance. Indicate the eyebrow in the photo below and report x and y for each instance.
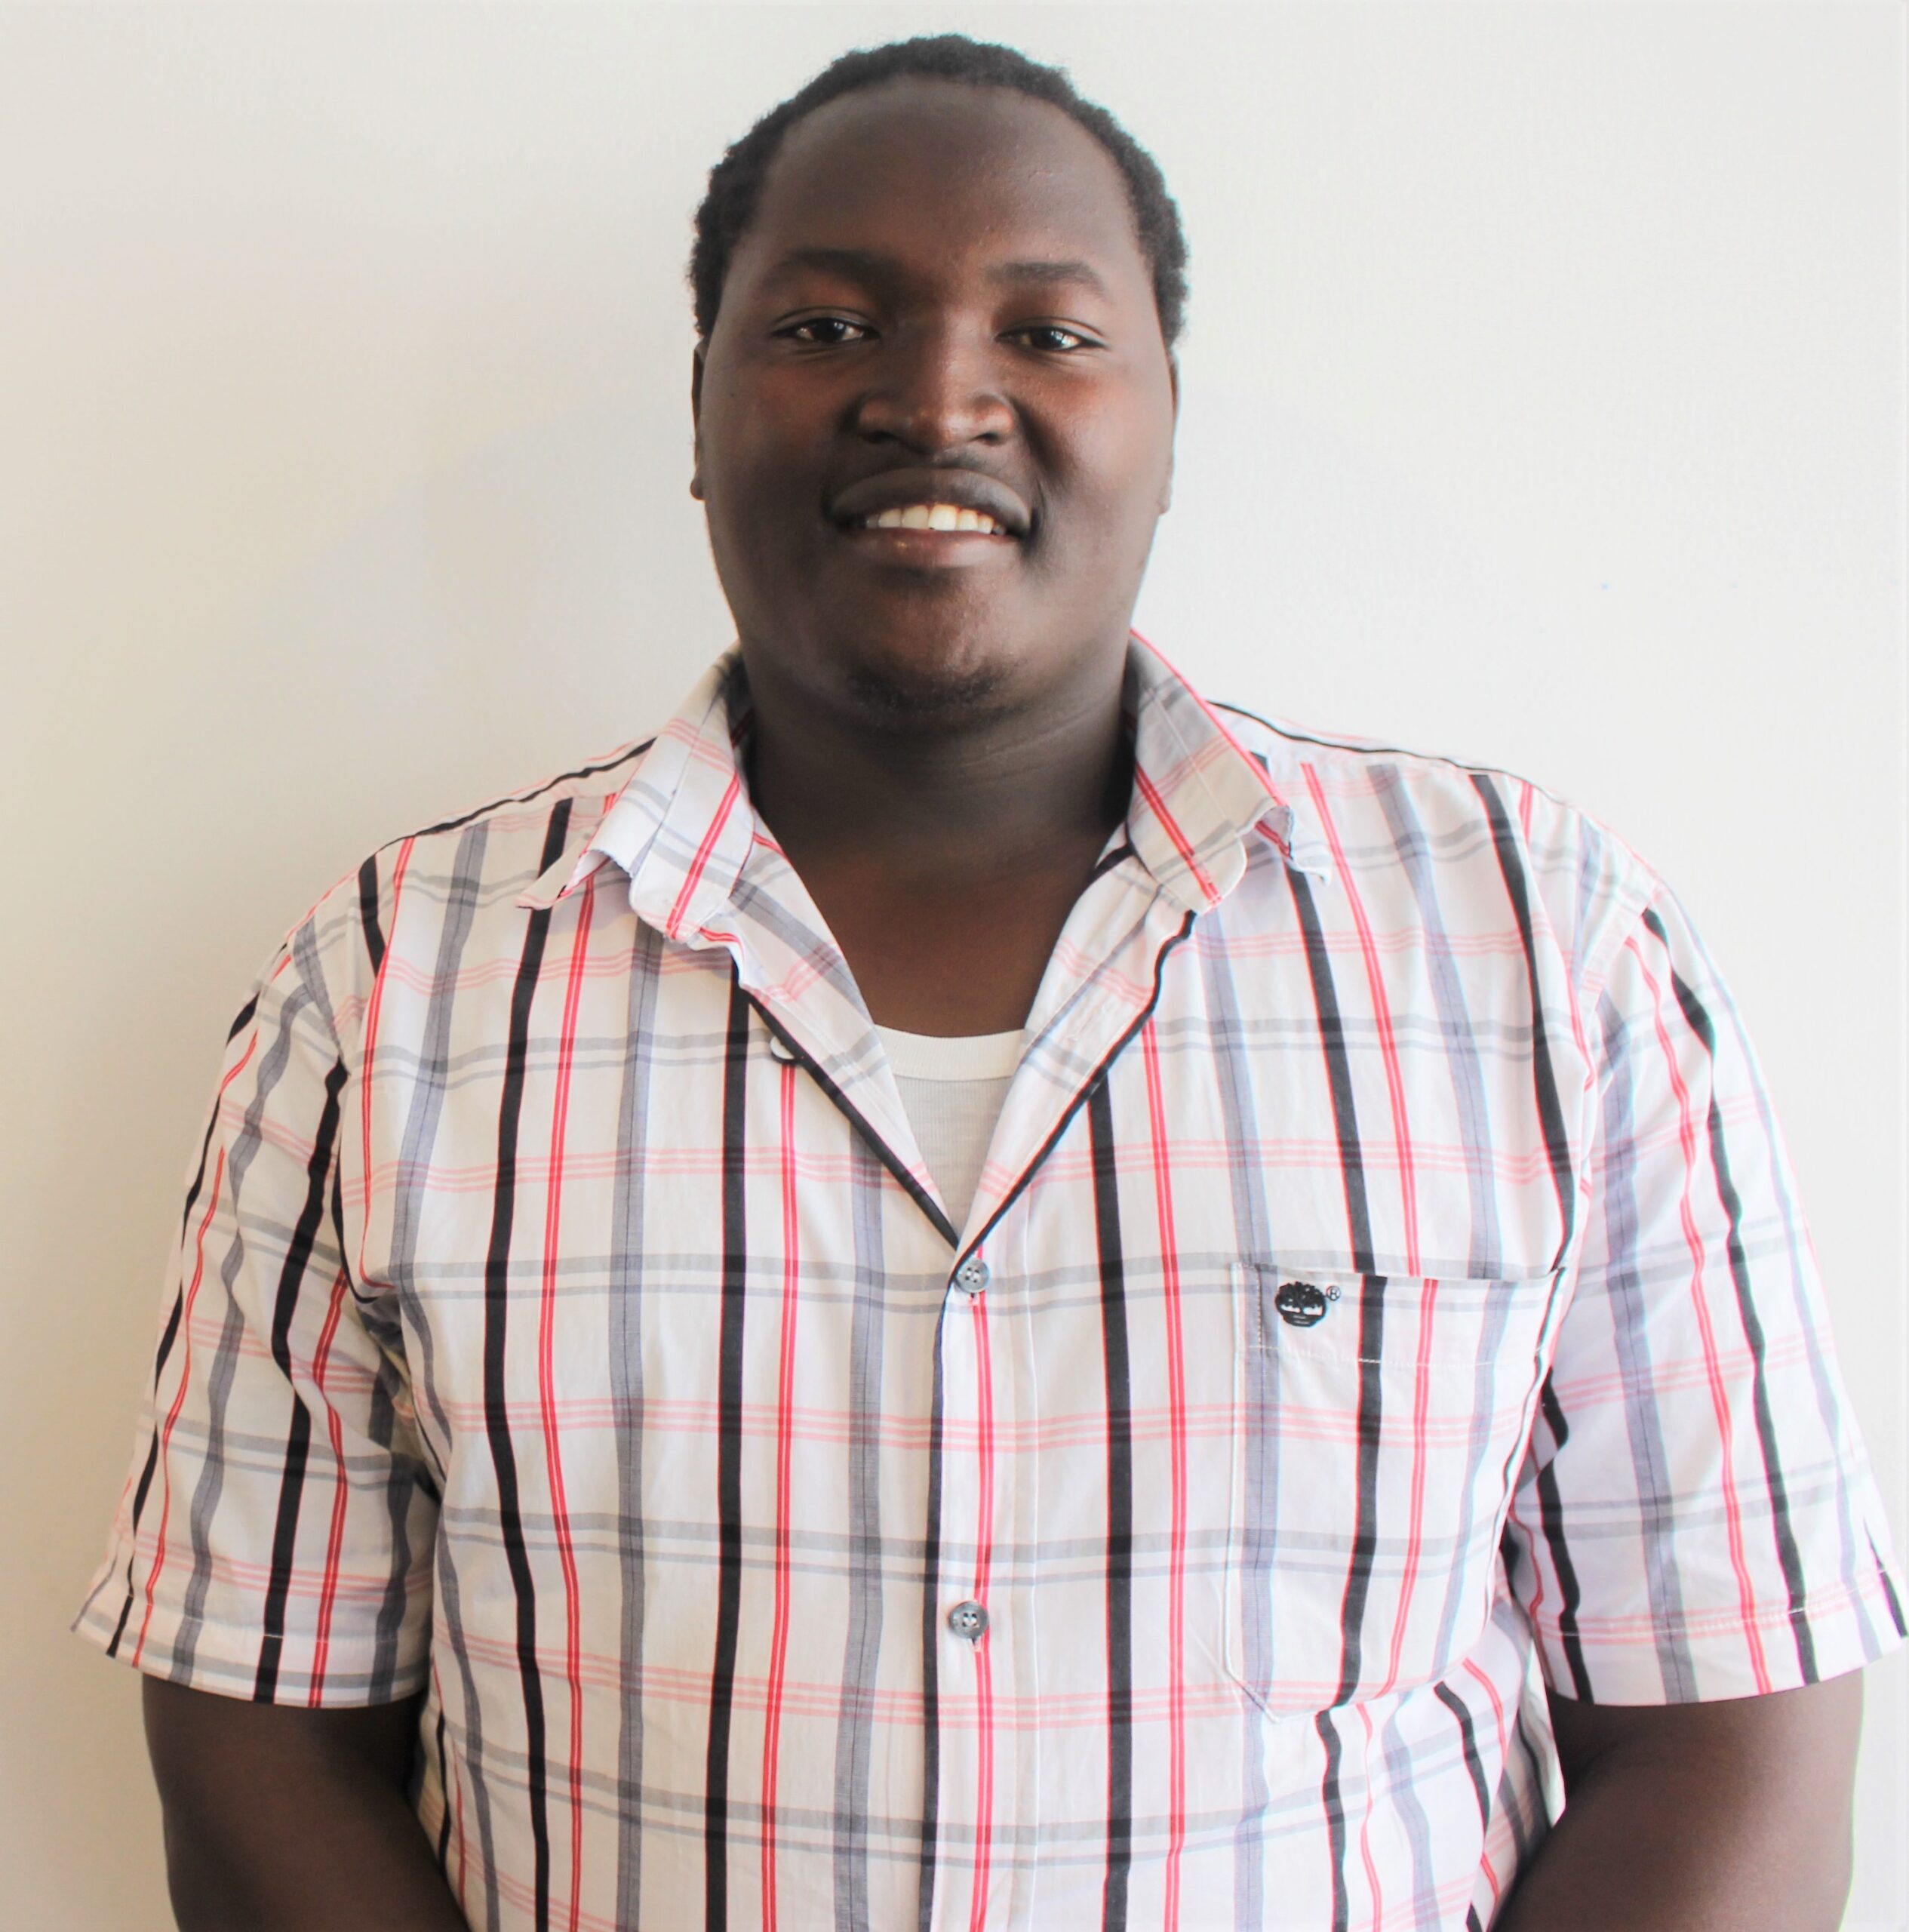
(1051, 273)
(865, 265)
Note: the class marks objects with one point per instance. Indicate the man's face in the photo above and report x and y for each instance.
(941, 300)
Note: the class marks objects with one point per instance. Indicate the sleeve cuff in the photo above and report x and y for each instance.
(1715, 1654)
(341, 1670)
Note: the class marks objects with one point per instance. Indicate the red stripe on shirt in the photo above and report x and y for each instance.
(335, 1541)
(1720, 1400)
(546, 1334)
(373, 1006)
(1150, 792)
(772, 1723)
(1159, 1139)
(984, 1801)
(185, 1365)
(694, 878)
(1408, 1195)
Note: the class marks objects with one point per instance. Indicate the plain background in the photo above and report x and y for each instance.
(1544, 405)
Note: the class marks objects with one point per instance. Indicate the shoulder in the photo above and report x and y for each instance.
(516, 827)
(456, 878)
(1465, 843)
(1375, 765)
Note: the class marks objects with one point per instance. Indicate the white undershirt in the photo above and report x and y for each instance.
(952, 1090)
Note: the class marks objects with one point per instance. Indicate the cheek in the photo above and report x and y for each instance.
(1116, 453)
(1114, 495)
(732, 456)
(749, 435)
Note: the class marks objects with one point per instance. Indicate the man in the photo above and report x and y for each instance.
(963, 1292)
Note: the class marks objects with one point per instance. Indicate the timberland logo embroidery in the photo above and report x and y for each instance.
(1301, 1304)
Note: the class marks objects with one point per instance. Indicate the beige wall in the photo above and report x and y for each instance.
(1544, 405)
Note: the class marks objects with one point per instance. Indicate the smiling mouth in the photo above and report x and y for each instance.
(946, 517)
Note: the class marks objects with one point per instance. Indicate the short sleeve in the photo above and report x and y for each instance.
(1695, 1518)
(274, 1538)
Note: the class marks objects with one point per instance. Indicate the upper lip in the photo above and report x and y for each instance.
(966, 489)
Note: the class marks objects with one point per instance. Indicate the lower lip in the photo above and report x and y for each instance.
(930, 546)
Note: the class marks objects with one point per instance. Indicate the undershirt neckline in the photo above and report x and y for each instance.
(960, 1056)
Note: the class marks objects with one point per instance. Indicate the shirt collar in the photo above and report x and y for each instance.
(683, 827)
(1200, 799)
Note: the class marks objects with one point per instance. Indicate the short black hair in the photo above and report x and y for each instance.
(735, 181)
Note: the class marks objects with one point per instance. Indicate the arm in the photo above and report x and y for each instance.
(1728, 1816)
(283, 1820)
(263, 1625)
(1695, 1534)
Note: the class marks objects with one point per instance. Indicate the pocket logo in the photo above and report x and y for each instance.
(1300, 1304)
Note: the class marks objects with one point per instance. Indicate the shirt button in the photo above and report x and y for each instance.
(972, 1275)
(968, 1619)
(779, 1049)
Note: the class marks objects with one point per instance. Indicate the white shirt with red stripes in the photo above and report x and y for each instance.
(1384, 1295)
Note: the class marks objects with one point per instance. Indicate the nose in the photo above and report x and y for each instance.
(935, 390)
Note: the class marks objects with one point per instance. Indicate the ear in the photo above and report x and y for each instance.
(1166, 482)
(696, 421)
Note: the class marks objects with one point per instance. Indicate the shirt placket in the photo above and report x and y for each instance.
(976, 1654)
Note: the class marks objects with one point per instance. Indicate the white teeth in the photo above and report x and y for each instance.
(934, 516)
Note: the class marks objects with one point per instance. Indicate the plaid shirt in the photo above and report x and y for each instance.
(1385, 1296)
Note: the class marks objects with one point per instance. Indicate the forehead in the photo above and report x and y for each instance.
(952, 168)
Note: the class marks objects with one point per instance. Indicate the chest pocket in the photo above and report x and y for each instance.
(1382, 1419)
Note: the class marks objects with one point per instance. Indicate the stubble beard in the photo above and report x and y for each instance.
(915, 703)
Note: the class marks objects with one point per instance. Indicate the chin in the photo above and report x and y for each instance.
(900, 693)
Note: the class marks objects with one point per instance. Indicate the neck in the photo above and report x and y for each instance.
(938, 799)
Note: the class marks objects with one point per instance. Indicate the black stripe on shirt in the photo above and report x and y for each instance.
(1514, 1795)
(1697, 1018)
(292, 1277)
(1086, 1087)
(1335, 1806)
(1468, 1737)
(1339, 1075)
(526, 797)
(729, 1460)
(138, 1503)
(496, 1391)
(1365, 748)
(1372, 1287)
(241, 1020)
(442, 1848)
(174, 1315)
(1365, 1535)
(1550, 1107)
(368, 912)
(858, 1121)
(1115, 855)
(1372, 1321)
(1118, 1376)
(1550, 1516)
(338, 1223)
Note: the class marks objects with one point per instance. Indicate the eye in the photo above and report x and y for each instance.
(1053, 337)
(825, 331)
